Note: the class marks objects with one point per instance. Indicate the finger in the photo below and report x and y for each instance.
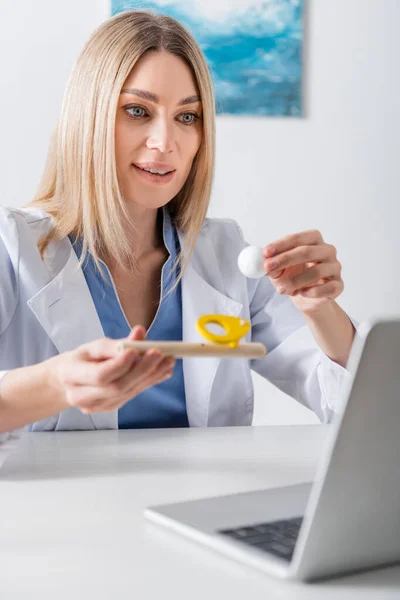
(150, 367)
(290, 272)
(152, 381)
(276, 274)
(92, 398)
(137, 387)
(149, 361)
(119, 390)
(98, 350)
(310, 237)
(300, 255)
(154, 364)
(145, 384)
(98, 373)
(332, 290)
(311, 276)
(165, 366)
(118, 367)
(137, 333)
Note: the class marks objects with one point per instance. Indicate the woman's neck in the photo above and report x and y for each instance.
(147, 232)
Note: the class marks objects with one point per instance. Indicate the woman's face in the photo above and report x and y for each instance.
(158, 126)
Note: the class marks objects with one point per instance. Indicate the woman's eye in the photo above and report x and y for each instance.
(137, 111)
(192, 118)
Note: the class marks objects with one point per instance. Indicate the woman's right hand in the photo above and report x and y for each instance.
(97, 377)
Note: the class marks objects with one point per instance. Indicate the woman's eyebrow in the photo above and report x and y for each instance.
(153, 98)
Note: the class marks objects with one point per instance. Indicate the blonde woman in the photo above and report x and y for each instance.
(116, 244)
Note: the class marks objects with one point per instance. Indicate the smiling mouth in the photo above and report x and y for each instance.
(154, 177)
(161, 173)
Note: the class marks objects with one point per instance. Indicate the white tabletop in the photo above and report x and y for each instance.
(72, 522)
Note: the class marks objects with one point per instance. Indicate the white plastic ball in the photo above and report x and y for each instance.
(250, 262)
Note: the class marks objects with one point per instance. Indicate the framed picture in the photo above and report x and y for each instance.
(253, 49)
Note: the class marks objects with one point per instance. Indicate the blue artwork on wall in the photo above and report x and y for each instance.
(253, 49)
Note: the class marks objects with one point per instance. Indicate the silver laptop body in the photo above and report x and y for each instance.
(348, 519)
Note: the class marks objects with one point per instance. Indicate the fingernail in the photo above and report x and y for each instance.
(270, 251)
(272, 264)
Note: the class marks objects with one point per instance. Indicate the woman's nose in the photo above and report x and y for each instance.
(161, 136)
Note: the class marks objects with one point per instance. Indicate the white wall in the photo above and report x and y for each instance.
(39, 41)
(335, 170)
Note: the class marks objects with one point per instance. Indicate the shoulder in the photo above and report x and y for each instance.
(225, 237)
(215, 254)
(222, 231)
(22, 228)
(28, 218)
(221, 240)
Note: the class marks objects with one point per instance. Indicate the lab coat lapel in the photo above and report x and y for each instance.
(200, 297)
(65, 309)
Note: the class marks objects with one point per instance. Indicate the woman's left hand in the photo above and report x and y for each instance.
(305, 268)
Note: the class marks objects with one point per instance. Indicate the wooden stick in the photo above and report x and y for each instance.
(181, 349)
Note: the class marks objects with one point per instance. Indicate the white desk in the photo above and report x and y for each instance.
(72, 524)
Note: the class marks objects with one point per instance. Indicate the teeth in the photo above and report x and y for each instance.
(156, 172)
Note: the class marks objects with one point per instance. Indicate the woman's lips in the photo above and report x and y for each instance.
(152, 177)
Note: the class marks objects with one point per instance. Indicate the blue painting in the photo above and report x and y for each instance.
(253, 49)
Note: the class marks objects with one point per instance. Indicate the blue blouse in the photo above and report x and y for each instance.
(162, 405)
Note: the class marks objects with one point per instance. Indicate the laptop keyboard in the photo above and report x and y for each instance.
(278, 537)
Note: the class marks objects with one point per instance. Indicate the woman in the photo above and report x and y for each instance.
(120, 213)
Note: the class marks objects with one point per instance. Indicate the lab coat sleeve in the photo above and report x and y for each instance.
(294, 362)
(8, 276)
(8, 303)
(9, 259)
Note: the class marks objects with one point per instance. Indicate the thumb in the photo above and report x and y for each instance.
(275, 274)
(137, 333)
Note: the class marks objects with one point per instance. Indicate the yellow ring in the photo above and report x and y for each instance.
(235, 328)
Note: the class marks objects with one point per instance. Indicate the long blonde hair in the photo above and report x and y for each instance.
(79, 187)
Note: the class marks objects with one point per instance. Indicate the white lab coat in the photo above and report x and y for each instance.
(46, 308)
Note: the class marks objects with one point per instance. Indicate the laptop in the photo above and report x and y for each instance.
(348, 518)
